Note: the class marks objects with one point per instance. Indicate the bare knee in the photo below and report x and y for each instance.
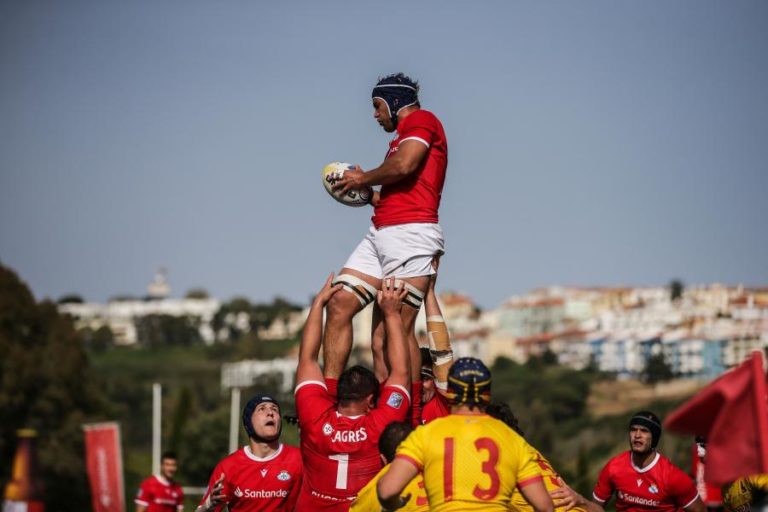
(341, 308)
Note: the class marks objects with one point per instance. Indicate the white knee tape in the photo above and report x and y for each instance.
(364, 292)
(415, 296)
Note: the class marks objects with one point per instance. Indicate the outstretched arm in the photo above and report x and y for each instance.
(566, 497)
(309, 368)
(390, 300)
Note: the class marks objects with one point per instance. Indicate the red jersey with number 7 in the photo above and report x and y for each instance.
(341, 453)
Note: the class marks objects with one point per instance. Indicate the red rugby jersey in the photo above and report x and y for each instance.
(416, 197)
(160, 495)
(436, 407)
(254, 483)
(340, 453)
(660, 486)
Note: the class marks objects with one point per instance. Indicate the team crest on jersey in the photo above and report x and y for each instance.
(653, 489)
(283, 476)
(394, 400)
(327, 429)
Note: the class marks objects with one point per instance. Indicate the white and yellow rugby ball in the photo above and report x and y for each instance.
(332, 173)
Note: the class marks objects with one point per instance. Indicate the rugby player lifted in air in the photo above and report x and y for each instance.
(461, 455)
(405, 236)
(265, 475)
(642, 479)
(340, 434)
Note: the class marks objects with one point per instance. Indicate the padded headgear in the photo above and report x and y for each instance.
(469, 382)
(248, 413)
(397, 91)
(650, 421)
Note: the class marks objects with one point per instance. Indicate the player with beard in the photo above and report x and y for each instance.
(406, 236)
(265, 475)
(642, 479)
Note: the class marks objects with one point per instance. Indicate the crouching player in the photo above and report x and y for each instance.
(390, 439)
(265, 475)
(340, 434)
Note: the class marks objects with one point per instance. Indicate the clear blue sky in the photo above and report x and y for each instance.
(591, 143)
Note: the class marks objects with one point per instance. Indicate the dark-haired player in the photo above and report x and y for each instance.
(470, 460)
(405, 236)
(265, 475)
(641, 478)
(367, 499)
(161, 493)
(340, 434)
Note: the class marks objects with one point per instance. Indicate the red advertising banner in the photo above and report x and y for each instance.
(104, 461)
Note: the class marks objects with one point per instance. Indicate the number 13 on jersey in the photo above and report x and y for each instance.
(484, 446)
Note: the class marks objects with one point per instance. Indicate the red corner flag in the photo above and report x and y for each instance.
(732, 413)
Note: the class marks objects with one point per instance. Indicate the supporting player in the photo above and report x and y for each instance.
(405, 236)
(339, 435)
(551, 478)
(161, 493)
(461, 455)
(264, 475)
(641, 478)
(390, 439)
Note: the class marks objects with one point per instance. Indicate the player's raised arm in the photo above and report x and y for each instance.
(309, 368)
(390, 301)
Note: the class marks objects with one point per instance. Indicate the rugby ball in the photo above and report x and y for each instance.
(332, 173)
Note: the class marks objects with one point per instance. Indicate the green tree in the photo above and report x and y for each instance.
(47, 385)
(657, 370)
(163, 330)
(197, 293)
(676, 288)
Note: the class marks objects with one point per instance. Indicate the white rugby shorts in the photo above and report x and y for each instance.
(403, 250)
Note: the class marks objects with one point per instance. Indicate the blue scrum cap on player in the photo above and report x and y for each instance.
(397, 91)
(248, 412)
(469, 382)
(650, 421)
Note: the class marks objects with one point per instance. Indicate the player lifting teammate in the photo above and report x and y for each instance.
(340, 434)
(461, 455)
(405, 236)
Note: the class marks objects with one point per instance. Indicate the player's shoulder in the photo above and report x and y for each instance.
(423, 117)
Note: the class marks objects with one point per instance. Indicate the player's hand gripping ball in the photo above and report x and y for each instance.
(332, 173)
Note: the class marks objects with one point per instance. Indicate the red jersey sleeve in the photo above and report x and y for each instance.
(421, 125)
(393, 405)
(681, 486)
(312, 400)
(604, 486)
(145, 493)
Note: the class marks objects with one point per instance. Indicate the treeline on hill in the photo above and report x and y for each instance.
(52, 383)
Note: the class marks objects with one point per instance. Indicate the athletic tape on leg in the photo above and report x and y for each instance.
(415, 296)
(365, 292)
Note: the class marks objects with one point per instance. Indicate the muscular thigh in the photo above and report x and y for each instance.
(407, 250)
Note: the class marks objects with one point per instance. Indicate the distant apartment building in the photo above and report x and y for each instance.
(121, 315)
